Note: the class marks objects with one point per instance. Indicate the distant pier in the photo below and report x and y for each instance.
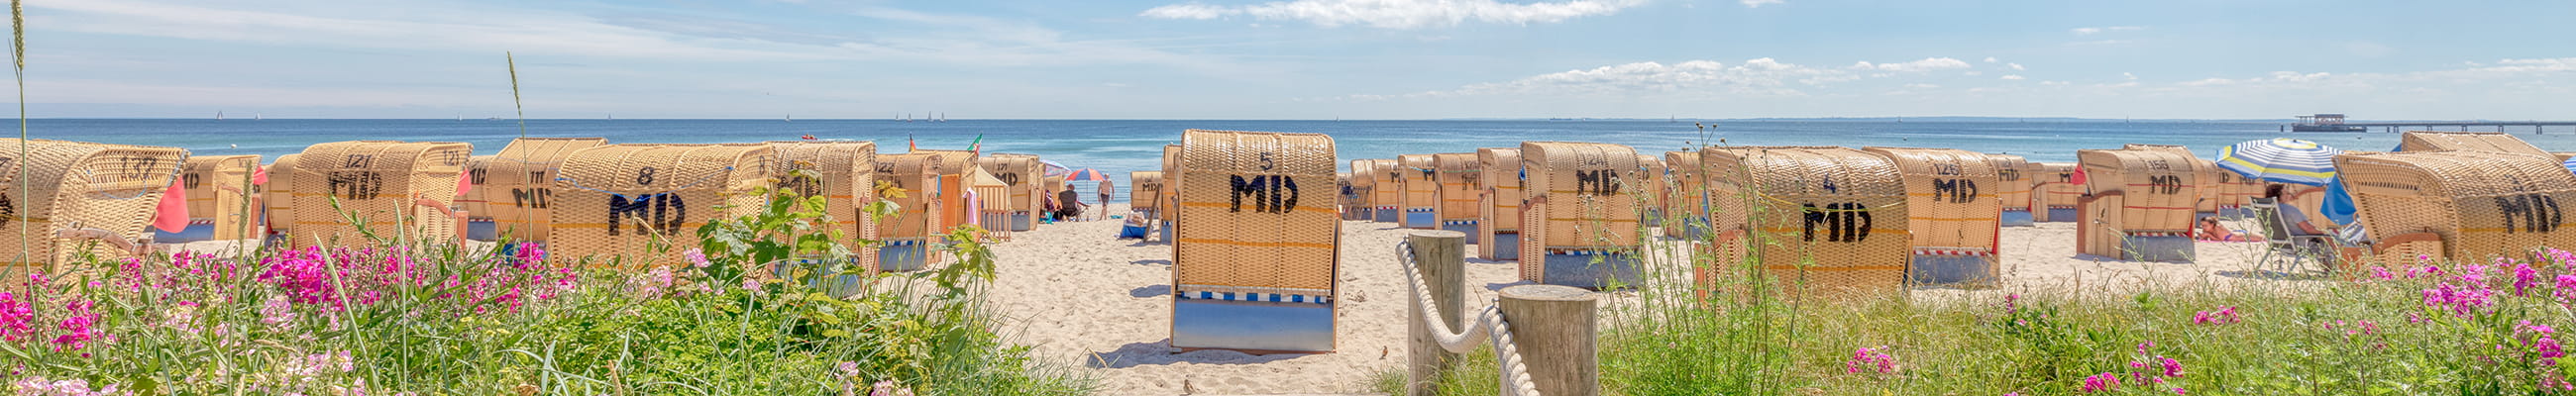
(2335, 123)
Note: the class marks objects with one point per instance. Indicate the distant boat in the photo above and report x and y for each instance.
(791, 118)
(460, 117)
(612, 116)
(258, 116)
(219, 115)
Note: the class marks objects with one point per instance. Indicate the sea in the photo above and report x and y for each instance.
(1116, 147)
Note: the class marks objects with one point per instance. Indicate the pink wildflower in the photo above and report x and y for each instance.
(16, 318)
(1870, 359)
(2224, 315)
(2172, 367)
(697, 258)
(2103, 382)
(79, 328)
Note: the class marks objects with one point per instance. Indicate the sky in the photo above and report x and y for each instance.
(1301, 59)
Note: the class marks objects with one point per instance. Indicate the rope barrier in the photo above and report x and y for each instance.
(1489, 325)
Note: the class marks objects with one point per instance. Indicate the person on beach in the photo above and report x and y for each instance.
(1068, 205)
(2210, 230)
(2291, 213)
(1105, 188)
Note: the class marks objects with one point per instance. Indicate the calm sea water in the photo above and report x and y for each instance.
(1117, 147)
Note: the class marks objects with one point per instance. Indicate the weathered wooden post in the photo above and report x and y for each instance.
(1442, 256)
(1553, 327)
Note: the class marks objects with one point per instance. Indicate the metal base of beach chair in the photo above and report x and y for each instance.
(1957, 270)
(1578, 269)
(903, 256)
(995, 221)
(1167, 231)
(1387, 215)
(1421, 218)
(481, 229)
(2157, 247)
(2017, 218)
(1020, 221)
(196, 232)
(1281, 327)
(1463, 226)
(1507, 245)
(2061, 215)
(834, 277)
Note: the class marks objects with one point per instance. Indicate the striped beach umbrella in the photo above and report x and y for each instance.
(2570, 163)
(2280, 160)
(1086, 174)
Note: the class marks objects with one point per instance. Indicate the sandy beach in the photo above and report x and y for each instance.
(1086, 300)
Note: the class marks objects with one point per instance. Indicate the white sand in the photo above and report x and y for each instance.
(1087, 300)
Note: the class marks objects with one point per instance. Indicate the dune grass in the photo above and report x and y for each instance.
(439, 319)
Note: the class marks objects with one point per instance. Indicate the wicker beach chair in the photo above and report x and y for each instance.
(951, 189)
(1171, 196)
(1143, 189)
(1420, 176)
(1817, 221)
(279, 198)
(1498, 235)
(2012, 189)
(1363, 179)
(1689, 198)
(917, 223)
(1021, 172)
(2205, 175)
(1388, 194)
(1256, 266)
(395, 192)
(2492, 142)
(81, 200)
(1954, 215)
(638, 205)
(220, 194)
(2054, 192)
(1460, 177)
(2474, 205)
(1579, 217)
(844, 174)
(2142, 204)
(514, 186)
(1654, 185)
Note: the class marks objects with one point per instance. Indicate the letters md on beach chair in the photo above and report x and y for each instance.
(398, 190)
(1460, 179)
(1021, 173)
(1579, 218)
(2012, 189)
(1831, 219)
(2460, 205)
(81, 199)
(1689, 198)
(645, 201)
(1420, 176)
(917, 223)
(2141, 205)
(1953, 214)
(218, 189)
(2055, 191)
(511, 189)
(2205, 176)
(1256, 266)
(1498, 236)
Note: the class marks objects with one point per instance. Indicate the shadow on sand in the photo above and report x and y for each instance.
(1161, 353)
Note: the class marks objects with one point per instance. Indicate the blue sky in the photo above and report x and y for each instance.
(1303, 59)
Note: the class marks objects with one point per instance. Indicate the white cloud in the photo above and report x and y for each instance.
(1921, 86)
(1990, 59)
(2015, 66)
(2012, 77)
(2128, 76)
(1926, 64)
(2097, 30)
(1759, 3)
(1401, 14)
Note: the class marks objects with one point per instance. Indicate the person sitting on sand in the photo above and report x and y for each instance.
(1068, 205)
(2210, 230)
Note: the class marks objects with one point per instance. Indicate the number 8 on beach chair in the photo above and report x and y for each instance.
(1256, 266)
(1831, 219)
(1952, 214)
(1579, 218)
(2142, 204)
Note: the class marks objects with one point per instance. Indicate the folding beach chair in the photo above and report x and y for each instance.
(2279, 238)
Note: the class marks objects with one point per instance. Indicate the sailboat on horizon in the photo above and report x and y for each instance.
(791, 118)
(219, 115)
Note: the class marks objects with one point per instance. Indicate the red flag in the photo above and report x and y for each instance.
(259, 176)
(464, 182)
(172, 216)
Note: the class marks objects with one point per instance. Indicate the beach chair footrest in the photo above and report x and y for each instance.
(1579, 270)
(2017, 218)
(2157, 247)
(1252, 326)
(1953, 270)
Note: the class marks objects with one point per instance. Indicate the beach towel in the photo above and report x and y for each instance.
(172, 215)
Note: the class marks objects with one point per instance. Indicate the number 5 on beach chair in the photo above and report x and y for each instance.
(1256, 264)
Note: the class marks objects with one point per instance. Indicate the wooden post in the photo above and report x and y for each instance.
(1442, 256)
(1553, 326)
